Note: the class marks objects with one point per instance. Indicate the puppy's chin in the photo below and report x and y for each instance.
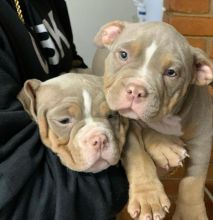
(129, 113)
(98, 166)
(144, 116)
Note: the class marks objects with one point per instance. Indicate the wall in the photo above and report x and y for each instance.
(154, 10)
(88, 16)
(194, 19)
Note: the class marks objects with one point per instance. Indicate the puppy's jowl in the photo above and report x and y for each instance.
(75, 122)
(161, 82)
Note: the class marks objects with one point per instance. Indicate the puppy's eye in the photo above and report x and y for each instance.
(170, 73)
(123, 55)
(65, 121)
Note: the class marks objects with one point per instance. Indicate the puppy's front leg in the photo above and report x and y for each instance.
(190, 202)
(167, 151)
(147, 199)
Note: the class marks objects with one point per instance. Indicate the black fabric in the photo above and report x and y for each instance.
(21, 43)
(22, 47)
(33, 183)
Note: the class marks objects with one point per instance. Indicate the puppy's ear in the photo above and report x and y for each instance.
(108, 33)
(27, 97)
(203, 67)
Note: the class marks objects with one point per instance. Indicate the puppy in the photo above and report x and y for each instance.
(161, 82)
(75, 121)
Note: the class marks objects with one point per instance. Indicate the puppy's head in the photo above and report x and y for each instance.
(149, 68)
(74, 120)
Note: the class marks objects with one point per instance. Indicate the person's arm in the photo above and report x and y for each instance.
(20, 148)
(33, 182)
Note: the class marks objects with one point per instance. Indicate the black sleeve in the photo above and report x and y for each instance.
(63, 15)
(20, 146)
(33, 183)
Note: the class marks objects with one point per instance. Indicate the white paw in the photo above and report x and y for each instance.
(168, 155)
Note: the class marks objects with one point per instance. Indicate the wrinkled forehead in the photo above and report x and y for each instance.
(77, 89)
(164, 37)
(91, 105)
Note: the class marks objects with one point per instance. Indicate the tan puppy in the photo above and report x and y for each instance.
(158, 78)
(75, 123)
(74, 120)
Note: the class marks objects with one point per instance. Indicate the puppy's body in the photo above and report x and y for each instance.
(75, 121)
(158, 76)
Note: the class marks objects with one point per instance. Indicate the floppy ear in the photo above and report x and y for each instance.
(203, 67)
(108, 33)
(27, 97)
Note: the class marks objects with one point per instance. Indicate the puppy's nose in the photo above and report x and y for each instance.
(98, 142)
(136, 91)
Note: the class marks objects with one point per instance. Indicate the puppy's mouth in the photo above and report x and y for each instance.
(132, 109)
(129, 108)
(129, 113)
(97, 146)
(103, 161)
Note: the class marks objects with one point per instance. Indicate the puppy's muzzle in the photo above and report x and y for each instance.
(135, 92)
(97, 141)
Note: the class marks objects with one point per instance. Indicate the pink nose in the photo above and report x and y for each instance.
(135, 91)
(98, 142)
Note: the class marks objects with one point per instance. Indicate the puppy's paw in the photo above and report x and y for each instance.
(168, 153)
(192, 212)
(148, 201)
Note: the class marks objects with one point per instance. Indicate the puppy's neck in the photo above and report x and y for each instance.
(169, 125)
